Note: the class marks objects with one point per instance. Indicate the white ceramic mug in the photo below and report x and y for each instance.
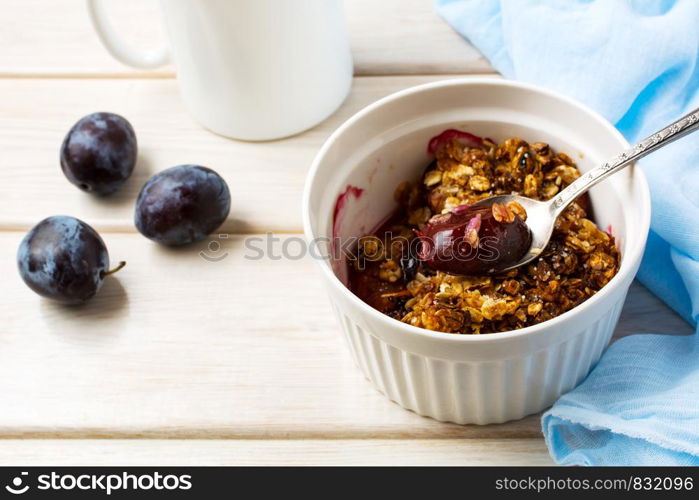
(249, 69)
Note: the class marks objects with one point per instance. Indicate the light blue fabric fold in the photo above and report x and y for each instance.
(635, 62)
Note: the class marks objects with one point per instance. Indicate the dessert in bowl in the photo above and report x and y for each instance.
(498, 347)
(434, 262)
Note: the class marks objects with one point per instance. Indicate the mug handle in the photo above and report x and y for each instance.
(118, 49)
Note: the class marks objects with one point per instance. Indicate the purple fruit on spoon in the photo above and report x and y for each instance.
(474, 240)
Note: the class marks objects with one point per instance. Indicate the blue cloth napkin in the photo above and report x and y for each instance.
(635, 62)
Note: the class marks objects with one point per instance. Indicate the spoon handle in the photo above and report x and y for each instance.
(685, 125)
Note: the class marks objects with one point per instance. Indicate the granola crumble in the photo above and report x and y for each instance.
(579, 260)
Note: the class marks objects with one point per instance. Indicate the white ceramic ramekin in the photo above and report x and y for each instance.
(470, 378)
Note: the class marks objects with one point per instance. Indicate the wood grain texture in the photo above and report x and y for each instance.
(387, 37)
(274, 452)
(266, 178)
(645, 313)
(177, 346)
(407, 37)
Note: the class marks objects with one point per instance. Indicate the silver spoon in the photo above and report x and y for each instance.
(541, 215)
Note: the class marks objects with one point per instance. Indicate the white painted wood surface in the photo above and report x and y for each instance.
(56, 452)
(266, 178)
(42, 38)
(184, 361)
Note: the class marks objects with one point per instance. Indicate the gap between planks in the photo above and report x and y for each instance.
(280, 452)
(526, 428)
(173, 76)
(24, 226)
(468, 433)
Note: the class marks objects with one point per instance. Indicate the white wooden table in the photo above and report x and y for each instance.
(180, 360)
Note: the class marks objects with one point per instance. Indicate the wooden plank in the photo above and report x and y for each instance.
(407, 37)
(266, 179)
(273, 452)
(56, 39)
(645, 313)
(177, 346)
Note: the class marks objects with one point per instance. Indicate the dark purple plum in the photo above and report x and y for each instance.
(471, 241)
(64, 259)
(182, 205)
(99, 153)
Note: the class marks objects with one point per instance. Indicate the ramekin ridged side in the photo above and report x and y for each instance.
(478, 392)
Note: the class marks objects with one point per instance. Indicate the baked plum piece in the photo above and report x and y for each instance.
(475, 240)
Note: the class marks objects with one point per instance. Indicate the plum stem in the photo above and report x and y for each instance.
(118, 268)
